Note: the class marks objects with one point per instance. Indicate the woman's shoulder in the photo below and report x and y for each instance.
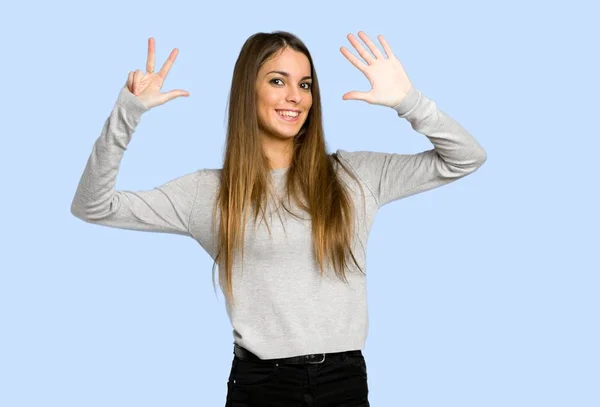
(356, 165)
(209, 176)
(355, 158)
(353, 161)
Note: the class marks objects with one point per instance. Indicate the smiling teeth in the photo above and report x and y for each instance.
(288, 114)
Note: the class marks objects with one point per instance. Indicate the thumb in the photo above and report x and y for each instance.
(172, 94)
(355, 95)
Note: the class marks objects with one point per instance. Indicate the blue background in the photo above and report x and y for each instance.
(483, 292)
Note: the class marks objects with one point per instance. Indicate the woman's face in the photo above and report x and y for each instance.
(284, 97)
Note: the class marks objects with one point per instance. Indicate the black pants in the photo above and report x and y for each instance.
(341, 380)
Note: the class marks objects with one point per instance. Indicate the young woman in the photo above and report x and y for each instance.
(286, 222)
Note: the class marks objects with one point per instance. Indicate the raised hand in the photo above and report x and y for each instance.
(146, 86)
(388, 79)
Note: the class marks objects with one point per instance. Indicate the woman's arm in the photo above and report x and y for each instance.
(391, 176)
(165, 209)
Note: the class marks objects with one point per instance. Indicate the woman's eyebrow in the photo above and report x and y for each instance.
(287, 75)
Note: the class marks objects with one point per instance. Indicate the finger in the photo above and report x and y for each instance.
(137, 77)
(361, 50)
(354, 60)
(355, 95)
(130, 82)
(374, 48)
(150, 58)
(164, 71)
(386, 47)
(172, 94)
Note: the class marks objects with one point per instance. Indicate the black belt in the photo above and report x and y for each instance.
(245, 354)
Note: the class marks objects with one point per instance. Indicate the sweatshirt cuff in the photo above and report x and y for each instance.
(131, 103)
(409, 101)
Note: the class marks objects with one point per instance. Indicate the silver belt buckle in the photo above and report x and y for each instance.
(311, 358)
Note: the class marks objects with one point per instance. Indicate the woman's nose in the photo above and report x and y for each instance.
(294, 96)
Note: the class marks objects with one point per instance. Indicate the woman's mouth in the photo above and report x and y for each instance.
(287, 115)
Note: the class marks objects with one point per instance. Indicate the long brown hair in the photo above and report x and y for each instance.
(245, 174)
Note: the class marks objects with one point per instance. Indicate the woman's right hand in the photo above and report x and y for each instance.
(146, 86)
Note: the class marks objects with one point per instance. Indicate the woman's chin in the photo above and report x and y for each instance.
(287, 133)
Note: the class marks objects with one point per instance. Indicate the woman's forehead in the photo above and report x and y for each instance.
(292, 62)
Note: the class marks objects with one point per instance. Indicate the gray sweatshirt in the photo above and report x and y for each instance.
(283, 305)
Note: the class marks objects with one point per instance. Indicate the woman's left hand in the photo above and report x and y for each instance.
(389, 81)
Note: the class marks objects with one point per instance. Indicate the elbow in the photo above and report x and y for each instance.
(477, 159)
(93, 211)
(77, 211)
(481, 158)
(81, 208)
(467, 166)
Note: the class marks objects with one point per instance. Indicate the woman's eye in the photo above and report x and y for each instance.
(305, 83)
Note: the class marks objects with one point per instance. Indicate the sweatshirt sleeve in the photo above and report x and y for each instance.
(166, 208)
(392, 176)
